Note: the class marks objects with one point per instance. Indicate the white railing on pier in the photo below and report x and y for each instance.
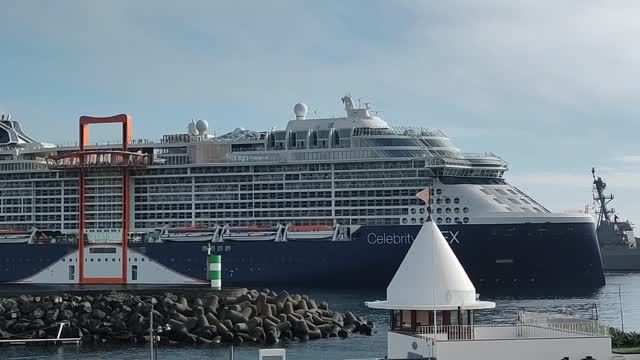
(514, 331)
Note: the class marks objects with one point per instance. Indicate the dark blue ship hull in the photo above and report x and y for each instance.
(548, 255)
(495, 256)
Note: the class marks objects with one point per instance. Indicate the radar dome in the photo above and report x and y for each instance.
(202, 126)
(300, 110)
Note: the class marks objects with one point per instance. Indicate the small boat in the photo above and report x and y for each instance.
(12, 236)
(310, 232)
(186, 234)
(250, 233)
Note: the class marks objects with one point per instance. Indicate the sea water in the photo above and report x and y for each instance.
(621, 293)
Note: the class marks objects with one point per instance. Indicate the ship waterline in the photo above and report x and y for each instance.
(323, 201)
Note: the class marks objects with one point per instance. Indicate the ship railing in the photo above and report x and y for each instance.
(514, 331)
(398, 130)
(88, 159)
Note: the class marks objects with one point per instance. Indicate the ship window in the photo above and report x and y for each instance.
(457, 220)
(465, 220)
(447, 210)
(525, 201)
(439, 191)
(448, 220)
(456, 210)
(72, 272)
(514, 201)
(501, 192)
(465, 210)
(447, 201)
(92, 260)
(439, 210)
(512, 191)
(413, 210)
(404, 220)
(486, 191)
(413, 220)
(421, 220)
(421, 210)
(98, 260)
(536, 209)
(439, 221)
(438, 201)
(498, 201)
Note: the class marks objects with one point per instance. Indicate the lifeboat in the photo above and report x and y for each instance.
(187, 234)
(12, 236)
(310, 232)
(250, 233)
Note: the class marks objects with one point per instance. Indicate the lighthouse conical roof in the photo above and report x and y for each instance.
(430, 276)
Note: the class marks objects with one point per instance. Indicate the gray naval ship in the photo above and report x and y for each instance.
(618, 244)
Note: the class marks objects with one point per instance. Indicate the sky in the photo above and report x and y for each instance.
(553, 87)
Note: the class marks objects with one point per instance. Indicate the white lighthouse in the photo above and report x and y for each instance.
(432, 303)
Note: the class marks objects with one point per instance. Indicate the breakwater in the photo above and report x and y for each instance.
(262, 317)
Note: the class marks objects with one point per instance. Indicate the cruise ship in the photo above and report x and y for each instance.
(322, 202)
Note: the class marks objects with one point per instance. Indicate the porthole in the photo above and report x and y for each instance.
(439, 220)
(465, 220)
(465, 210)
(421, 220)
(439, 191)
(448, 220)
(457, 220)
(447, 210)
(413, 210)
(456, 210)
(421, 210)
(456, 201)
(439, 210)
(404, 220)
(439, 201)
(413, 220)
(447, 201)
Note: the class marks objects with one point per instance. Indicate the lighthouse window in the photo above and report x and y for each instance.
(465, 220)
(465, 210)
(456, 201)
(439, 191)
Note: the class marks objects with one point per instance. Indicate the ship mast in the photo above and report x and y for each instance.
(604, 213)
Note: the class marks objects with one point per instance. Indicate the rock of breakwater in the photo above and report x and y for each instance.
(255, 316)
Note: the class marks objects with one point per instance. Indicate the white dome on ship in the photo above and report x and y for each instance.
(300, 110)
(202, 126)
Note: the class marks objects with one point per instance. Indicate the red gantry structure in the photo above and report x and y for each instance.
(84, 160)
